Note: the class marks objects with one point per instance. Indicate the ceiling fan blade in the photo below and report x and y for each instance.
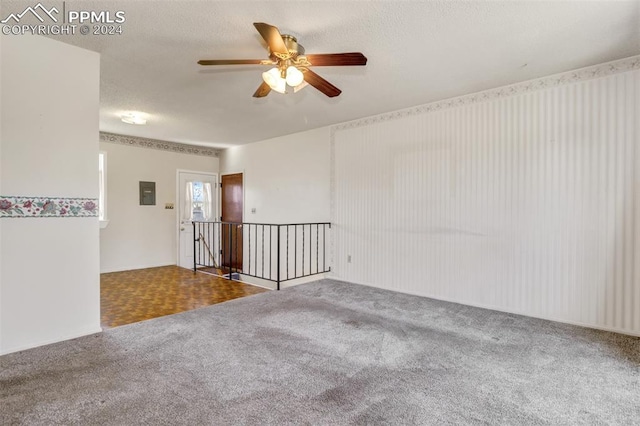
(337, 59)
(321, 84)
(262, 91)
(230, 62)
(272, 36)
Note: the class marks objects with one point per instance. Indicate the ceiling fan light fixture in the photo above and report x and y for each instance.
(294, 76)
(275, 80)
(134, 117)
(291, 62)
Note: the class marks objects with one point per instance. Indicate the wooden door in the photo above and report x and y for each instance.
(232, 208)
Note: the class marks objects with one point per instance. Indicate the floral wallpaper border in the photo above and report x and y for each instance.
(19, 206)
(583, 74)
(159, 145)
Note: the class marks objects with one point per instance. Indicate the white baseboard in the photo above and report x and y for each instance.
(633, 333)
(304, 280)
(134, 267)
(79, 333)
(258, 282)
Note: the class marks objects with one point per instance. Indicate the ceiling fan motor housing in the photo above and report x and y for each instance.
(292, 45)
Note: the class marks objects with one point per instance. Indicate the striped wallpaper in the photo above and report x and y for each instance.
(524, 199)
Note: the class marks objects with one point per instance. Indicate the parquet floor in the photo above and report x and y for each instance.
(132, 296)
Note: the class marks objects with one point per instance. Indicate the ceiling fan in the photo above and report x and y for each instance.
(291, 64)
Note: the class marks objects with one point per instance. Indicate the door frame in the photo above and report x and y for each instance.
(177, 198)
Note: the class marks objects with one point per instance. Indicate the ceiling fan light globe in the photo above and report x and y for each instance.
(274, 80)
(281, 87)
(134, 117)
(294, 76)
(271, 77)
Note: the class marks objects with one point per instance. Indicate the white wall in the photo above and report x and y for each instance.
(49, 143)
(143, 236)
(286, 179)
(523, 199)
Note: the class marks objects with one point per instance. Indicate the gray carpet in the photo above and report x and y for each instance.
(329, 353)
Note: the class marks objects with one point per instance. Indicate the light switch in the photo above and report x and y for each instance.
(253, 210)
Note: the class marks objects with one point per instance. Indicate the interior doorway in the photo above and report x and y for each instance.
(232, 202)
(197, 201)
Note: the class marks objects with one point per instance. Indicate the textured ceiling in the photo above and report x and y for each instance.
(418, 52)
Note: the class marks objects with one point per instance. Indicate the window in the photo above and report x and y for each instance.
(102, 185)
(198, 202)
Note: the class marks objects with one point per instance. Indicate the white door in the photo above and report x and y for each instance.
(192, 197)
